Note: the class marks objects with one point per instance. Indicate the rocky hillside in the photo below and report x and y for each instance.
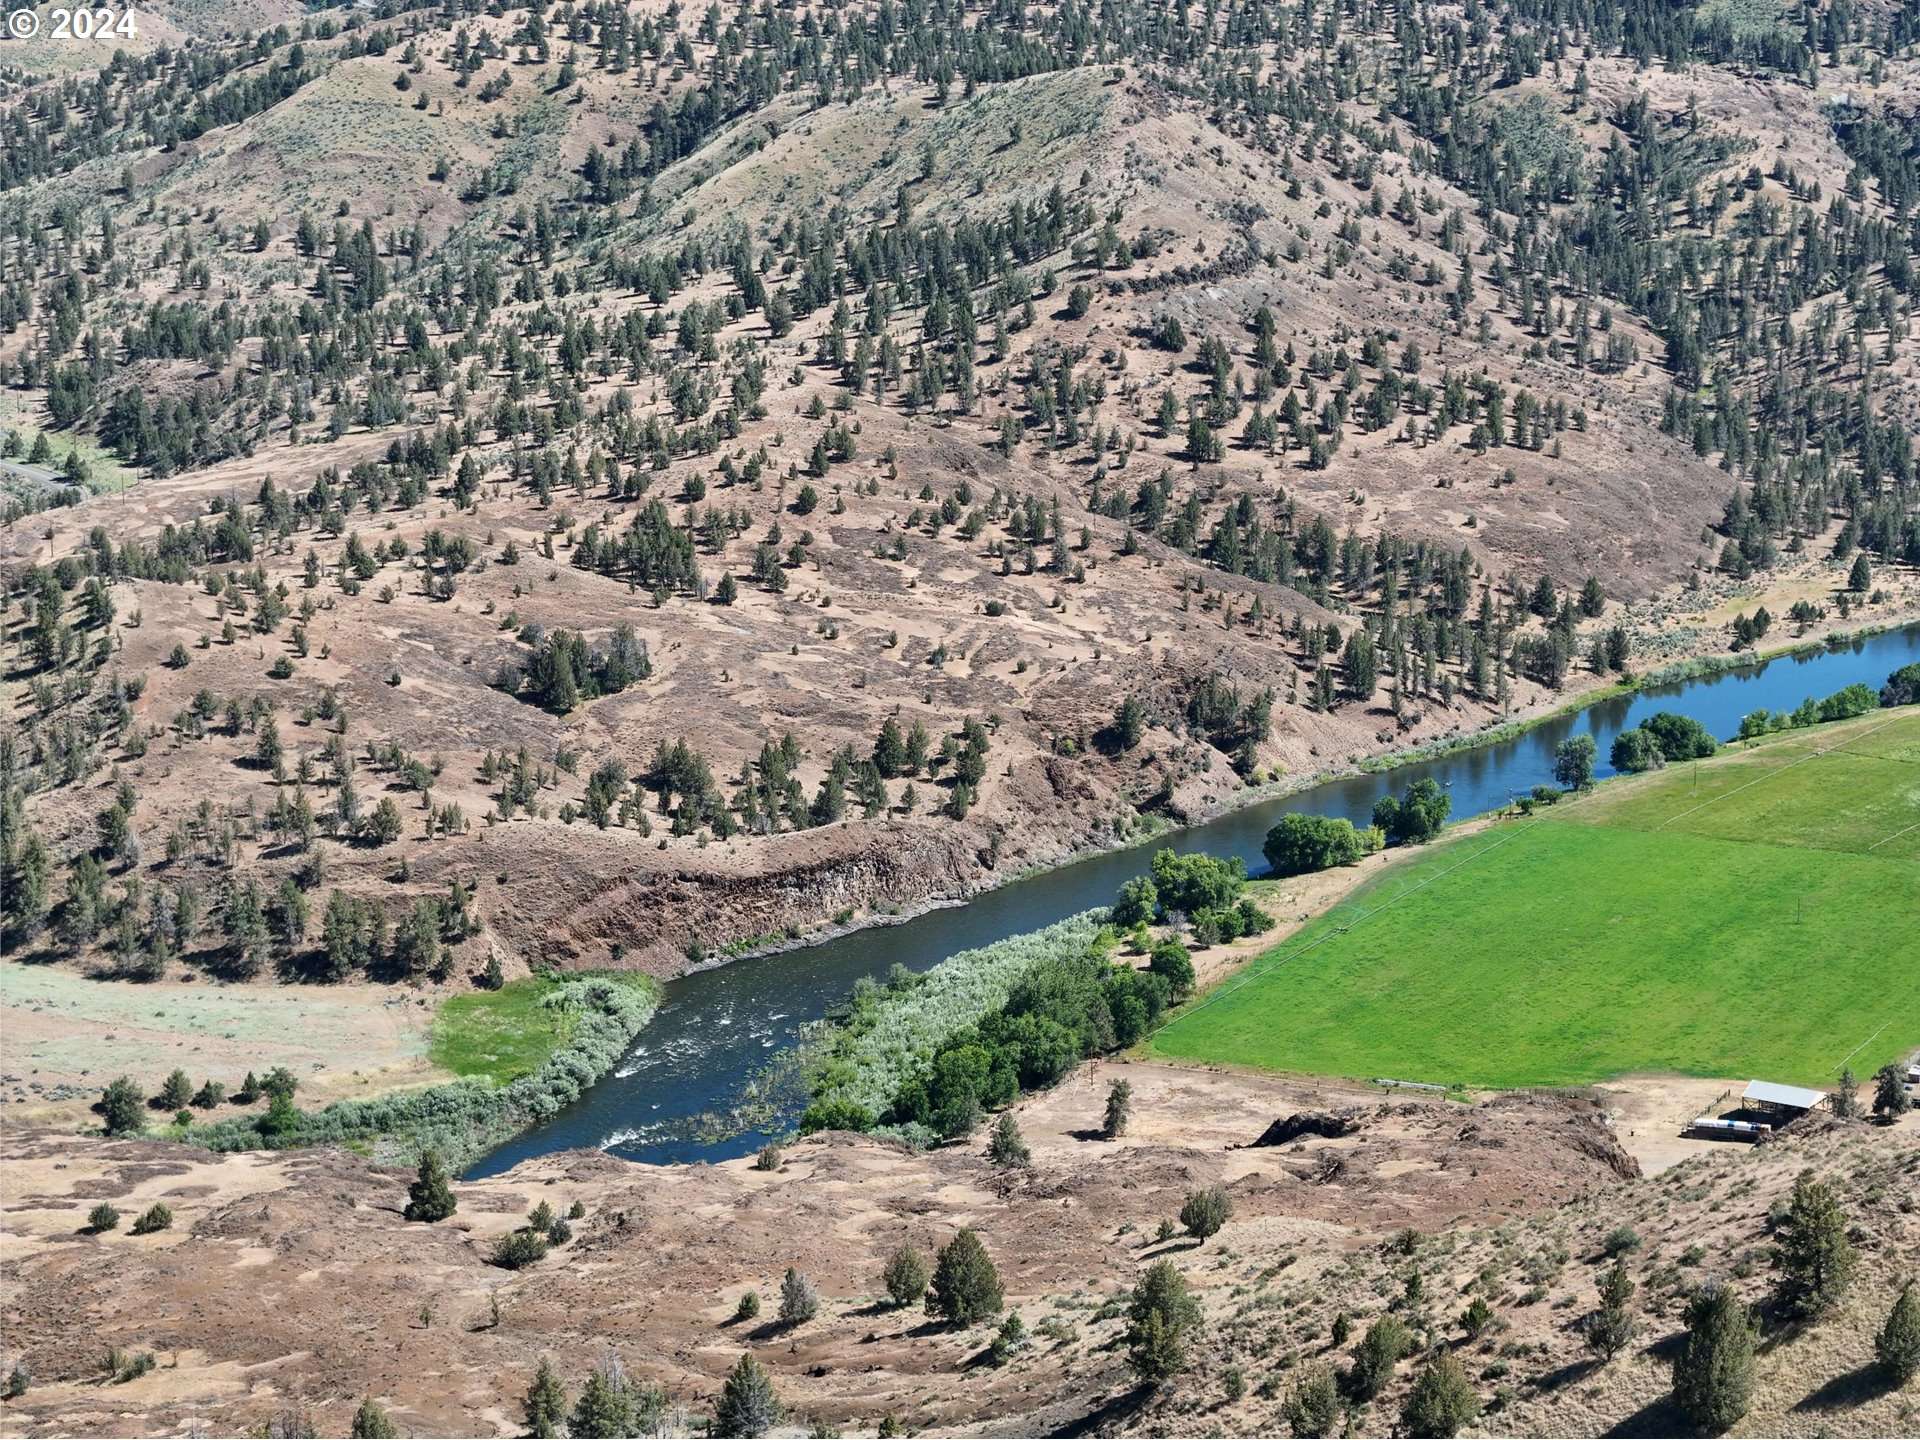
(609, 483)
(288, 1289)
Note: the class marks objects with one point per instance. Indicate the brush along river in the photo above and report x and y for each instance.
(718, 1029)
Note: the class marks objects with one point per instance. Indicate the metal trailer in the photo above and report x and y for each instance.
(1713, 1128)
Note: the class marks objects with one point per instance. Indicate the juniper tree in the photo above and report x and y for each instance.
(905, 1276)
(606, 1408)
(799, 1301)
(1815, 1257)
(430, 1197)
(123, 1108)
(1162, 1316)
(1890, 1096)
(1713, 1371)
(1897, 1347)
(1119, 1110)
(546, 1402)
(1442, 1402)
(1006, 1147)
(1609, 1329)
(1312, 1408)
(370, 1422)
(747, 1405)
(966, 1287)
(1205, 1211)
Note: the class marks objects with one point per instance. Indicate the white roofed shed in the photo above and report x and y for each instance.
(1765, 1094)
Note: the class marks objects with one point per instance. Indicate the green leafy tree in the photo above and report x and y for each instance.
(966, 1287)
(1713, 1371)
(747, 1405)
(1171, 962)
(1416, 817)
(1138, 902)
(1306, 844)
(1573, 762)
(1635, 751)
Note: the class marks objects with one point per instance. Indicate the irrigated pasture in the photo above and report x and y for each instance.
(1755, 916)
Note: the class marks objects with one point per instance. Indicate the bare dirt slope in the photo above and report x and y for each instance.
(292, 1284)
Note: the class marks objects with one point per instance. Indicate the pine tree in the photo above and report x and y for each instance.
(430, 1198)
(747, 1405)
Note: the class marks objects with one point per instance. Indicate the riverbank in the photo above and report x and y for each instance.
(1586, 692)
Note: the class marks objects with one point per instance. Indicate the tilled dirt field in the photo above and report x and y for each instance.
(292, 1284)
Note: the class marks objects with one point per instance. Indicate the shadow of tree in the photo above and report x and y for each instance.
(1659, 1418)
(1106, 1417)
(1843, 1392)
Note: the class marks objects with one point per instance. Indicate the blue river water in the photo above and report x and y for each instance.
(717, 1028)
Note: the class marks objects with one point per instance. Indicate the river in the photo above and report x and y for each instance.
(717, 1028)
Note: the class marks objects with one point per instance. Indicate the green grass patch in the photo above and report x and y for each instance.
(499, 1035)
(1753, 918)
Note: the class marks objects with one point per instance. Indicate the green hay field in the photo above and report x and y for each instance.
(1756, 916)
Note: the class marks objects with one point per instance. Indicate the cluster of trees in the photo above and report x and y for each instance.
(1658, 739)
(1058, 1013)
(1301, 844)
(1202, 892)
(123, 1105)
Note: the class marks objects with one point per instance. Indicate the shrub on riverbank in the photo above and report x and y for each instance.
(891, 1031)
(462, 1119)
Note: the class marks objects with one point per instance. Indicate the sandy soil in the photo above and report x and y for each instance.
(68, 1035)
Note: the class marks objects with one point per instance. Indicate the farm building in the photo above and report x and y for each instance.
(1788, 1102)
